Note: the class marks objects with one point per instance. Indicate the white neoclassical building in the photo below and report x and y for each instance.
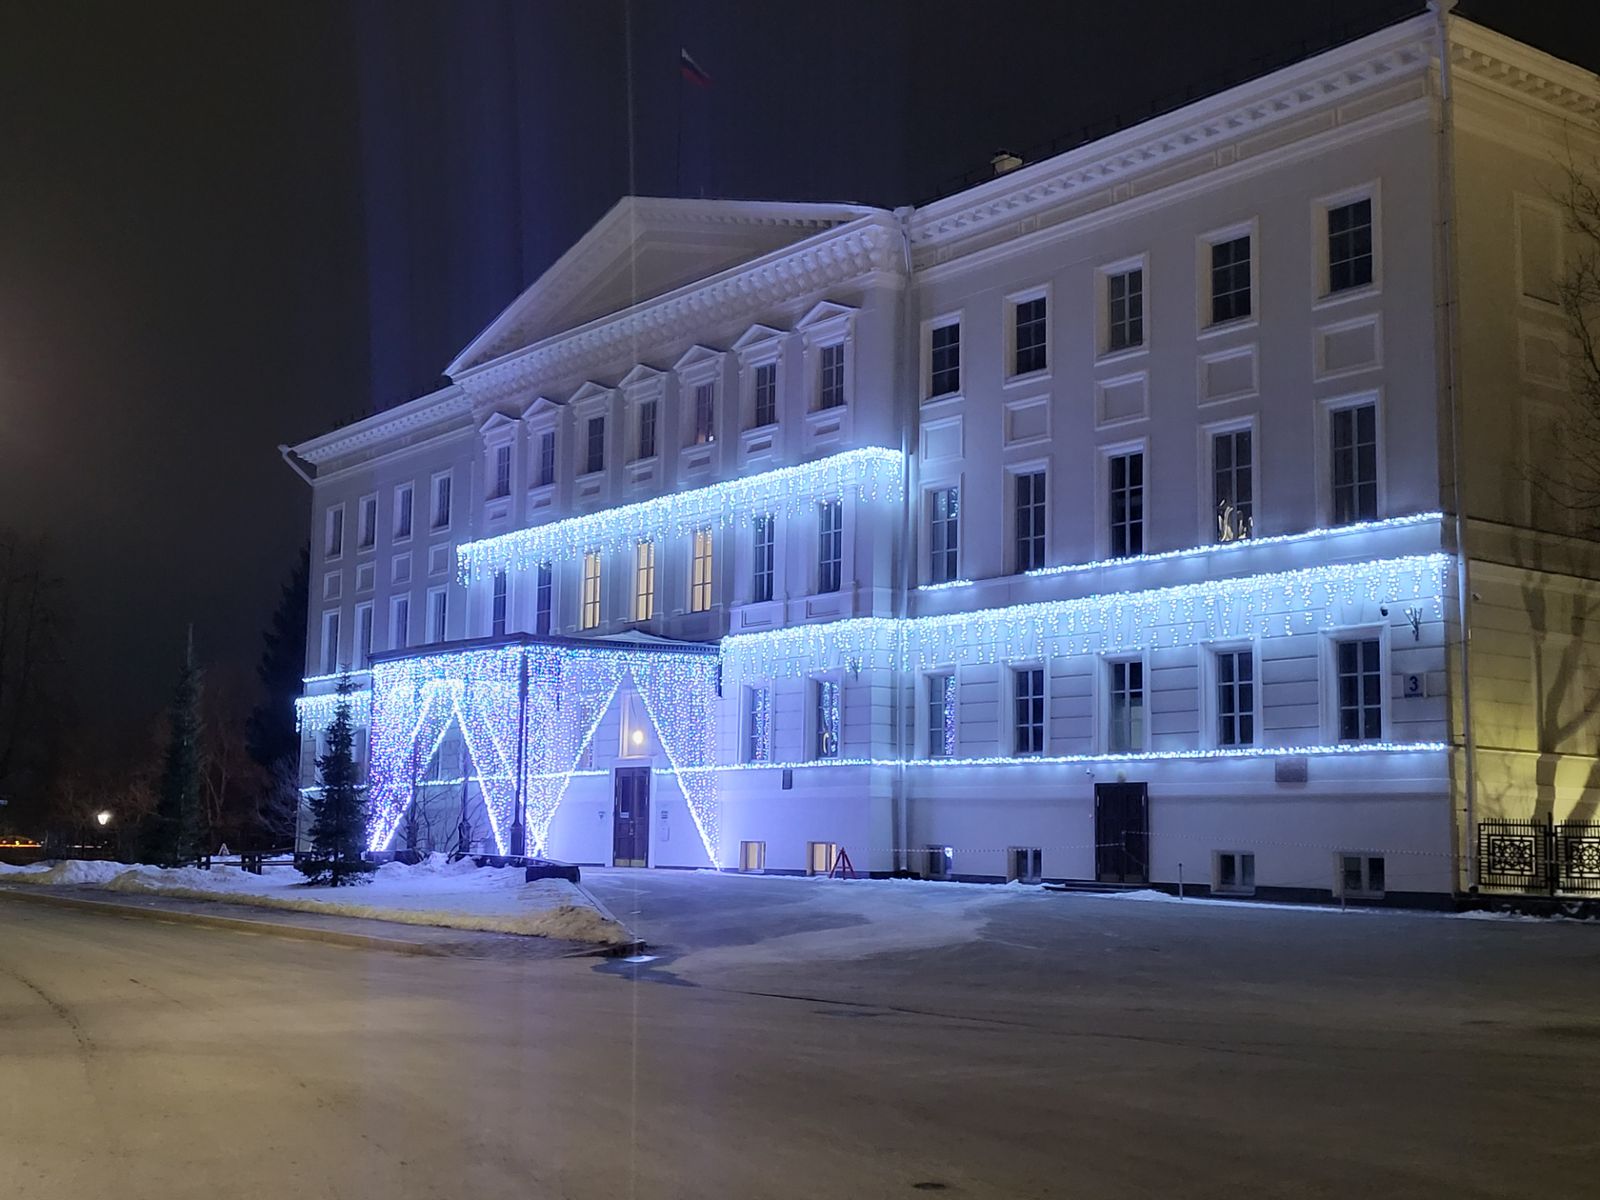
(1164, 510)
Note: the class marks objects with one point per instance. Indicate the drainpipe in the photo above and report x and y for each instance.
(906, 557)
(1449, 328)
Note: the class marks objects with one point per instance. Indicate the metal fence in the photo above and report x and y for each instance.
(1540, 857)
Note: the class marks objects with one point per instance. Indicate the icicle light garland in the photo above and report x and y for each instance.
(1278, 539)
(869, 474)
(1118, 622)
(1332, 750)
(313, 714)
(417, 701)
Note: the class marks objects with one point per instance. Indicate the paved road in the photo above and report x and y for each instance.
(830, 1041)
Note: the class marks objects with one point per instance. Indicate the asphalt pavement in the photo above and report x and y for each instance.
(795, 1038)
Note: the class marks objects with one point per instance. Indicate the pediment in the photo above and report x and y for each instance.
(496, 421)
(590, 394)
(541, 408)
(824, 313)
(757, 335)
(640, 376)
(694, 357)
(642, 249)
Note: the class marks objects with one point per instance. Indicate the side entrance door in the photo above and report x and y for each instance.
(1122, 832)
(630, 828)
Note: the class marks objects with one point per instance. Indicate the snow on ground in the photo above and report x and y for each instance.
(434, 892)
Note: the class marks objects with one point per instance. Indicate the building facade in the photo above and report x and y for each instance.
(1166, 511)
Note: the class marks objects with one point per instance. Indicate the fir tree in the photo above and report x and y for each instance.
(338, 809)
(271, 735)
(176, 829)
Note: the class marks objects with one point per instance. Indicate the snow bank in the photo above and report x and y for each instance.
(452, 895)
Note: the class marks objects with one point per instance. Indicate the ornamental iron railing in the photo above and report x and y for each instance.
(1545, 857)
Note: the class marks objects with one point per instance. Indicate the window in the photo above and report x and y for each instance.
(441, 501)
(502, 472)
(1230, 280)
(1024, 864)
(1360, 690)
(498, 604)
(830, 545)
(1125, 310)
(762, 545)
(644, 581)
(333, 542)
(363, 636)
(827, 715)
(758, 730)
(944, 362)
(705, 414)
(402, 512)
(589, 618)
(1361, 875)
(1028, 500)
(1236, 699)
(543, 599)
(1354, 469)
(647, 430)
(330, 642)
(1126, 710)
(1027, 710)
(1126, 475)
(766, 395)
(400, 622)
(367, 523)
(595, 445)
(942, 716)
(700, 572)
(1028, 332)
(1233, 872)
(547, 458)
(830, 376)
(1350, 245)
(1232, 485)
(944, 529)
(438, 600)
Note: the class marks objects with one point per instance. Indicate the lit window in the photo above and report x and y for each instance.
(700, 572)
(944, 377)
(1029, 332)
(1230, 280)
(1236, 705)
(1232, 494)
(1350, 245)
(705, 414)
(1126, 476)
(1028, 498)
(644, 581)
(1125, 310)
(1126, 710)
(1354, 469)
(830, 545)
(590, 614)
(944, 528)
(830, 384)
(1027, 710)
(762, 548)
(1360, 691)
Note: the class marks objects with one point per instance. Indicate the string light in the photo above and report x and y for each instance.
(1118, 622)
(1277, 539)
(1334, 750)
(870, 473)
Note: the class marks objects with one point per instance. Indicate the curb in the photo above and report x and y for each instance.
(305, 933)
(633, 945)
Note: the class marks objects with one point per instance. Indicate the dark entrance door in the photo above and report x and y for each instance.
(1122, 833)
(630, 828)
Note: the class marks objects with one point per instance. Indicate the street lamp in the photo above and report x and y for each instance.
(103, 817)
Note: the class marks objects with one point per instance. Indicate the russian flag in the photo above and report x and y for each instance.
(691, 71)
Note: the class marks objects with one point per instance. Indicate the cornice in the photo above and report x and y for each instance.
(1332, 77)
(436, 408)
(1519, 70)
(867, 247)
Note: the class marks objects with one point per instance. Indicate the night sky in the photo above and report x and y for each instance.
(224, 226)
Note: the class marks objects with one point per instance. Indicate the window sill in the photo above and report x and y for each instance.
(817, 415)
(1126, 354)
(943, 398)
(1223, 328)
(1026, 379)
(1367, 291)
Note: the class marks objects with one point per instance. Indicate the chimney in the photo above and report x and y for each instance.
(1004, 162)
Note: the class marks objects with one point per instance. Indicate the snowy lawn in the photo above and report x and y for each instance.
(434, 892)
